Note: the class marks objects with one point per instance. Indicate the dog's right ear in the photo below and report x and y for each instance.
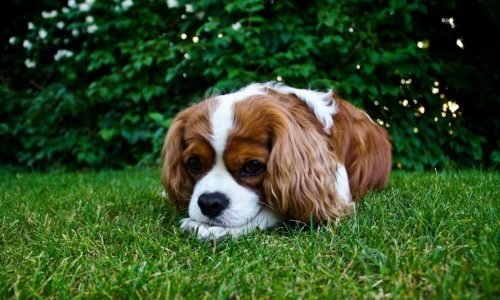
(302, 170)
(177, 182)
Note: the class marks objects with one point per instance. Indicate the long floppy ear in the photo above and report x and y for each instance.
(302, 170)
(178, 184)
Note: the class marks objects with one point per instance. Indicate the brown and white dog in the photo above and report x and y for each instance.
(269, 152)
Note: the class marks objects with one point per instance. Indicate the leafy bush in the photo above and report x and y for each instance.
(97, 83)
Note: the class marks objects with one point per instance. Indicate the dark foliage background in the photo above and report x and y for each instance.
(97, 83)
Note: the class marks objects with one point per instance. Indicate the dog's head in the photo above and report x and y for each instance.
(264, 146)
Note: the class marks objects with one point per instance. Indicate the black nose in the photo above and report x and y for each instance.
(212, 204)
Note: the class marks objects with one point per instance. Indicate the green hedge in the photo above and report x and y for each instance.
(97, 83)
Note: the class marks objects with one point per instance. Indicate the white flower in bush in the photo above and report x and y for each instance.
(12, 40)
(84, 7)
(172, 3)
(30, 64)
(60, 24)
(127, 4)
(92, 28)
(189, 8)
(89, 19)
(49, 14)
(236, 26)
(61, 53)
(31, 26)
(27, 44)
(42, 33)
(75, 32)
(72, 3)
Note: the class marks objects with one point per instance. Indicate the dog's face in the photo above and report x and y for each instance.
(252, 157)
(224, 153)
(227, 167)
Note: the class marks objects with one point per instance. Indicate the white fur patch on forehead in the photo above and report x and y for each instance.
(222, 117)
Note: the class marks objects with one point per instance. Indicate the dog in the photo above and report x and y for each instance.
(268, 153)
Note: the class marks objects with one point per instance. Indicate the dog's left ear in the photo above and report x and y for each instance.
(302, 170)
(177, 182)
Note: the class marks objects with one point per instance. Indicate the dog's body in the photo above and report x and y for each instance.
(270, 152)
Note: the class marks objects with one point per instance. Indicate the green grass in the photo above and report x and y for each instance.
(81, 235)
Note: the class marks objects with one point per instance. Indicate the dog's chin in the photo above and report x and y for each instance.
(215, 228)
(214, 222)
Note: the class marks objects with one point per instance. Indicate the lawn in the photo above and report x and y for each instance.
(110, 234)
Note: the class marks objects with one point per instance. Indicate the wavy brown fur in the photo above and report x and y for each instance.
(363, 147)
(192, 123)
(301, 169)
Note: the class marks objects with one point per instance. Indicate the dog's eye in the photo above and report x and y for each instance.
(252, 168)
(194, 165)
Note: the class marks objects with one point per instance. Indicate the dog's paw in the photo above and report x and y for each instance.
(204, 231)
